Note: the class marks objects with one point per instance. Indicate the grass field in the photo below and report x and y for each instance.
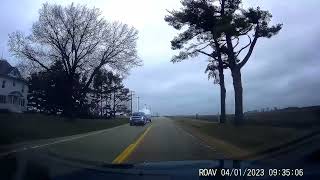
(244, 140)
(300, 118)
(16, 128)
(259, 132)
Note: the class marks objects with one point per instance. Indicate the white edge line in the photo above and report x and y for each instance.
(197, 139)
(78, 136)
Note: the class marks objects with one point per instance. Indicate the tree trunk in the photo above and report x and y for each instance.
(101, 108)
(68, 108)
(114, 104)
(222, 85)
(222, 96)
(68, 104)
(237, 85)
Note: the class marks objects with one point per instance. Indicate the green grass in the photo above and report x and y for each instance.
(16, 128)
(250, 138)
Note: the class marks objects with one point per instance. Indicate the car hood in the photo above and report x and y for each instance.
(59, 168)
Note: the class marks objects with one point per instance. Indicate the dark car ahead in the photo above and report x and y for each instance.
(138, 118)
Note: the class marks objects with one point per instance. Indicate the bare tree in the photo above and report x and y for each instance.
(79, 38)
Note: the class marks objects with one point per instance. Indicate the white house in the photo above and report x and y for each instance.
(13, 89)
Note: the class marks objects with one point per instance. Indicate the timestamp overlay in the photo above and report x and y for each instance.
(250, 172)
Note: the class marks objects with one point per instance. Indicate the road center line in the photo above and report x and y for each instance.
(122, 157)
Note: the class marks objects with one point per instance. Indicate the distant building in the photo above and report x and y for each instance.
(13, 89)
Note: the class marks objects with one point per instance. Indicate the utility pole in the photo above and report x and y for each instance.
(1, 53)
(138, 103)
(131, 101)
(101, 110)
(114, 103)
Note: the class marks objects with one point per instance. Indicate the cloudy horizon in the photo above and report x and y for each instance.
(283, 71)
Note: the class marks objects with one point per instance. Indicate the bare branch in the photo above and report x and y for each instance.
(246, 58)
(250, 41)
(207, 54)
(236, 43)
(34, 59)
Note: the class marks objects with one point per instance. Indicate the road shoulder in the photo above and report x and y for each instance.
(273, 139)
(229, 151)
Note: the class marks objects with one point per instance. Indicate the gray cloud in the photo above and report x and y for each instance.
(283, 71)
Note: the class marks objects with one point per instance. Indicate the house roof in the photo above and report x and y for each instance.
(6, 69)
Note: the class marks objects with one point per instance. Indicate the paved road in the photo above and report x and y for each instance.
(161, 140)
(102, 147)
(164, 141)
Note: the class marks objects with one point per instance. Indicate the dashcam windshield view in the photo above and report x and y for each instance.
(159, 89)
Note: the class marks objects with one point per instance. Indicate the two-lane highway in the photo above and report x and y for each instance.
(161, 140)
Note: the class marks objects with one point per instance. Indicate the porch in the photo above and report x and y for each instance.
(13, 102)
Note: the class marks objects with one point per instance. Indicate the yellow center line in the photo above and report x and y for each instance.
(128, 151)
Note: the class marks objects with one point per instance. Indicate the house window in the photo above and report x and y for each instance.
(3, 83)
(23, 102)
(2, 99)
(22, 90)
(13, 83)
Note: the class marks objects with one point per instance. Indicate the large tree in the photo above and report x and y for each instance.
(230, 26)
(194, 40)
(82, 40)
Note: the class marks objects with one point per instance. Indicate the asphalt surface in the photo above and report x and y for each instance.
(164, 141)
(102, 147)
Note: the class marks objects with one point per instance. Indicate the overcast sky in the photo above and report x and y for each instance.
(283, 71)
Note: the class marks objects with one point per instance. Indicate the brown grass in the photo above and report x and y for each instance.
(242, 140)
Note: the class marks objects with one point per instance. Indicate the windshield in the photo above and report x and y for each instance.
(138, 114)
(160, 84)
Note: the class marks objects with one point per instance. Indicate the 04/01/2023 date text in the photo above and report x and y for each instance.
(249, 172)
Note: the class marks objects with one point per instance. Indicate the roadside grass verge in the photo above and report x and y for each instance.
(242, 142)
(15, 128)
(300, 118)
